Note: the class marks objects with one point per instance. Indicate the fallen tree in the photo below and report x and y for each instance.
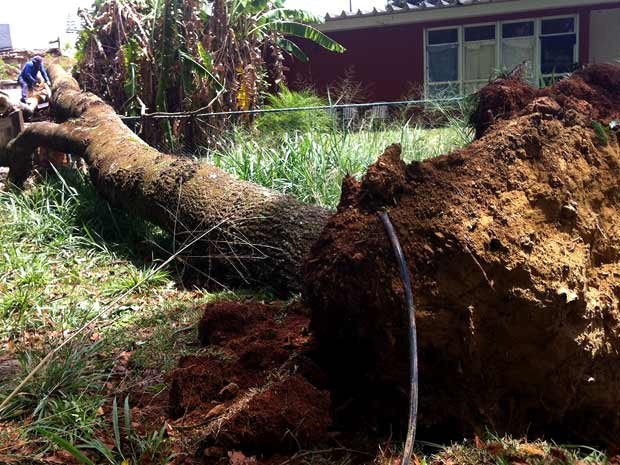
(513, 249)
(251, 234)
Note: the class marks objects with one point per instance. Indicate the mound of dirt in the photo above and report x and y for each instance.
(256, 389)
(593, 92)
(513, 245)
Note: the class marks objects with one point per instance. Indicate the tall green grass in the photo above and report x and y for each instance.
(65, 255)
(63, 249)
(311, 165)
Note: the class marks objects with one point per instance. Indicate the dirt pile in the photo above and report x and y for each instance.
(514, 249)
(255, 390)
(593, 92)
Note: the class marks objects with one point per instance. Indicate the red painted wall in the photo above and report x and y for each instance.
(386, 60)
(389, 60)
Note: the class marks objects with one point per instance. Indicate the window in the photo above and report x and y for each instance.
(443, 62)
(558, 42)
(462, 59)
(519, 47)
(479, 53)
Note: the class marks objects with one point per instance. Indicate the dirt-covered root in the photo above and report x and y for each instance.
(593, 93)
(513, 246)
(255, 390)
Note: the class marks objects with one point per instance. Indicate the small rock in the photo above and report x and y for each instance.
(569, 295)
(568, 211)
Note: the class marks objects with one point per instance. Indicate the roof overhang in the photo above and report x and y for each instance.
(465, 9)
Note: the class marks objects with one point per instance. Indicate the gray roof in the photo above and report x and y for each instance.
(5, 37)
(411, 5)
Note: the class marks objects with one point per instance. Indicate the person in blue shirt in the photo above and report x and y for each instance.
(29, 75)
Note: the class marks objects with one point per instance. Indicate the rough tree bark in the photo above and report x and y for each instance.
(260, 237)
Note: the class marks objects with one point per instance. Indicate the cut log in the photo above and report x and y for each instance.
(252, 235)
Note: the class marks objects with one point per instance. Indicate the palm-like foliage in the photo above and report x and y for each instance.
(182, 55)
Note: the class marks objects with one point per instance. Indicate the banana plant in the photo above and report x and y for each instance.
(183, 55)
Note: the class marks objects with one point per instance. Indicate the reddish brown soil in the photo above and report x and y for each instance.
(513, 246)
(255, 390)
(593, 92)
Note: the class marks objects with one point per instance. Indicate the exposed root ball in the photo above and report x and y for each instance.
(593, 93)
(514, 248)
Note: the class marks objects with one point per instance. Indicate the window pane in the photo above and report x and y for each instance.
(523, 29)
(557, 54)
(443, 63)
(558, 26)
(443, 36)
(479, 61)
(519, 51)
(480, 33)
(443, 90)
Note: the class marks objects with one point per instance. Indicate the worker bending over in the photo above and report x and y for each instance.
(29, 75)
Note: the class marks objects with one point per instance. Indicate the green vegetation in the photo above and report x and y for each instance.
(67, 256)
(311, 164)
(3, 69)
(8, 71)
(290, 122)
(175, 55)
(602, 132)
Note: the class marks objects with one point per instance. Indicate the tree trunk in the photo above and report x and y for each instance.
(251, 234)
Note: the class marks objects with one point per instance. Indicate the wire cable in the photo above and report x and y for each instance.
(413, 341)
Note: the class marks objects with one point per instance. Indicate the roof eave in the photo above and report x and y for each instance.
(409, 15)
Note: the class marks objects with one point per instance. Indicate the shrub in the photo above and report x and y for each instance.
(294, 121)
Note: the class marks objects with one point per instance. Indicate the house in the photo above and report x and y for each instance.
(452, 47)
(5, 37)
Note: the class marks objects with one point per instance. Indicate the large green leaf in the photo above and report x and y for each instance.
(300, 16)
(293, 49)
(307, 32)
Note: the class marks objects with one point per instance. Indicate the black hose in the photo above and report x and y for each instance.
(413, 341)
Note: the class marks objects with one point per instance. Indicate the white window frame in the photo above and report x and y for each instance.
(538, 76)
(459, 81)
(535, 39)
(482, 42)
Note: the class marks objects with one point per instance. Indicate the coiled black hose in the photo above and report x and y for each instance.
(413, 341)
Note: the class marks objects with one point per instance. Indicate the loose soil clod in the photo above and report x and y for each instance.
(592, 93)
(512, 244)
(257, 391)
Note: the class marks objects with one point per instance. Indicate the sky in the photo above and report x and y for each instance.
(37, 22)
